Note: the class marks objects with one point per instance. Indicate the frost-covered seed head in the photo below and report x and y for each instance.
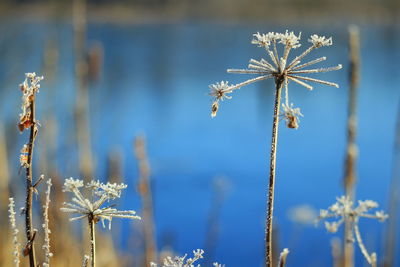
(319, 41)
(290, 39)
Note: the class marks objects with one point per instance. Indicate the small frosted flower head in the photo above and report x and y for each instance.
(319, 41)
(262, 40)
(111, 190)
(290, 39)
(72, 184)
(219, 91)
(381, 216)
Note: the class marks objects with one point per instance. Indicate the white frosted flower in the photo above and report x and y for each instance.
(220, 90)
(94, 209)
(290, 39)
(262, 40)
(319, 41)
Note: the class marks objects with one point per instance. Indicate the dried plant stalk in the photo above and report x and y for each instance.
(336, 252)
(28, 121)
(272, 166)
(82, 98)
(92, 241)
(144, 188)
(351, 153)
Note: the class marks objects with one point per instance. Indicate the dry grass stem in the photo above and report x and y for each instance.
(144, 188)
(352, 149)
(82, 98)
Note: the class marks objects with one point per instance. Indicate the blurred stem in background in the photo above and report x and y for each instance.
(393, 223)
(85, 158)
(4, 173)
(144, 188)
(352, 149)
(220, 187)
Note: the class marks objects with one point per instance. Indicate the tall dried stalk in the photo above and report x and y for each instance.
(30, 248)
(279, 81)
(351, 153)
(144, 188)
(82, 98)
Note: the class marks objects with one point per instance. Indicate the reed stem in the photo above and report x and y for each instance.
(279, 82)
(352, 150)
(29, 187)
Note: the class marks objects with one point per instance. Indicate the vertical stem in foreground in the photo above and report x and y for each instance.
(92, 241)
(279, 81)
(29, 187)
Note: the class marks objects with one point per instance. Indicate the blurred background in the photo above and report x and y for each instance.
(119, 71)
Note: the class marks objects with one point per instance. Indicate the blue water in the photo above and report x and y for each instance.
(155, 82)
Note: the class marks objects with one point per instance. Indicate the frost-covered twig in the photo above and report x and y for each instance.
(14, 231)
(27, 120)
(46, 246)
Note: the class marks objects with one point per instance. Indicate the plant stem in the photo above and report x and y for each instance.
(351, 153)
(92, 241)
(29, 187)
(279, 81)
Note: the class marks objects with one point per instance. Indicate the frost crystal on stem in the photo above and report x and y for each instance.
(343, 209)
(100, 194)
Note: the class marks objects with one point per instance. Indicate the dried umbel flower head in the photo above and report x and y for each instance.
(278, 68)
(93, 209)
(29, 87)
(344, 210)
